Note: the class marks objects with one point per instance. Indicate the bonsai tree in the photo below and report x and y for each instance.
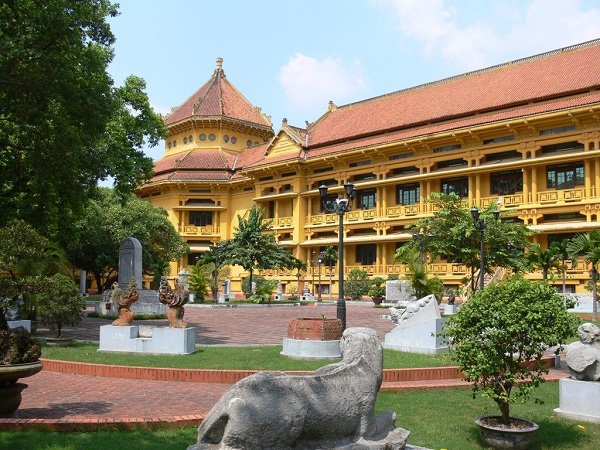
(60, 304)
(377, 289)
(357, 284)
(499, 336)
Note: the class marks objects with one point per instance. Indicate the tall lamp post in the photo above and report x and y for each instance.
(340, 207)
(481, 225)
(320, 261)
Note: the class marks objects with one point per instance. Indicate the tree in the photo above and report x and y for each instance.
(452, 234)
(299, 266)
(588, 246)
(253, 245)
(561, 250)
(27, 259)
(419, 277)
(331, 259)
(499, 336)
(357, 284)
(110, 219)
(544, 260)
(61, 303)
(64, 125)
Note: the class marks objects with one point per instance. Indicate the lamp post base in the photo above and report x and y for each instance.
(341, 312)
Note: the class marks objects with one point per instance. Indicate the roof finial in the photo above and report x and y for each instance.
(219, 63)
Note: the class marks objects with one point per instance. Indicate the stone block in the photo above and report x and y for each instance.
(163, 340)
(311, 349)
(420, 337)
(579, 400)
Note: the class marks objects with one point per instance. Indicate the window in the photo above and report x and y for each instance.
(560, 237)
(498, 139)
(365, 254)
(366, 199)
(327, 182)
(447, 148)
(324, 169)
(267, 178)
(199, 201)
(366, 162)
(507, 182)
(401, 156)
(451, 163)
(408, 194)
(458, 185)
(500, 156)
(364, 176)
(405, 170)
(565, 176)
(201, 218)
(564, 146)
(558, 130)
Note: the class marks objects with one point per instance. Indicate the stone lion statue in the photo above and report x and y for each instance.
(332, 407)
(583, 357)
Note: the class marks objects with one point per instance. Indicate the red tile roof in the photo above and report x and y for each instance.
(218, 98)
(194, 159)
(550, 75)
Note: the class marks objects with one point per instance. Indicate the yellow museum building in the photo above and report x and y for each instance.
(525, 134)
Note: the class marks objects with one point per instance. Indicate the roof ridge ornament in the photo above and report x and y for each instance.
(219, 69)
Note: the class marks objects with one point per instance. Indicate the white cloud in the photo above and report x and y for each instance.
(465, 38)
(435, 25)
(310, 83)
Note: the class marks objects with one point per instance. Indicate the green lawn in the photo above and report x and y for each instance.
(437, 419)
(260, 358)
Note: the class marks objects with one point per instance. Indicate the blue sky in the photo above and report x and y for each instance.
(291, 57)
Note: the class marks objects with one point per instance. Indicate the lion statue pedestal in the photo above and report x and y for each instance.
(331, 408)
(579, 395)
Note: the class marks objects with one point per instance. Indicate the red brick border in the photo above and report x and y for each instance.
(394, 380)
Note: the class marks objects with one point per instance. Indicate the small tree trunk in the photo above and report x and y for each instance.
(59, 329)
(504, 411)
(544, 274)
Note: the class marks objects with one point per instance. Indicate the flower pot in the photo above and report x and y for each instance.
(10, 373)
(10, 390)
(59, 341)
(317, 329)
(518, 435)
(10, 398)
(377, 300)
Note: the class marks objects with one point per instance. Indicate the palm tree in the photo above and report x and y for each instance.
(331, 258)
(298, 266)
(588, 246)
(545, 260)
(561, 250)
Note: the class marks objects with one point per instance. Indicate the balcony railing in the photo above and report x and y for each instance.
(193, 230)
(561, 195)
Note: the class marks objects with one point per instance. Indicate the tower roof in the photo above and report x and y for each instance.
(218, 99)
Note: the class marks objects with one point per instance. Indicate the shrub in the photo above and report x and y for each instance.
(499, 336)
(61, 303)
(357, 284)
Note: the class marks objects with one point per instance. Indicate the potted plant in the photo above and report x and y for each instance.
(59, 305)
(498, 339)
(377, 290)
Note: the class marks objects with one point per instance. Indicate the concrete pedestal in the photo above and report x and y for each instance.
(311, 349)
(450, 309)
(20, 323)
(579, 400)
(307, 298)
(417, 338)
(164, 340)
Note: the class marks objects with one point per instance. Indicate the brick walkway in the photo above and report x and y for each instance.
(66, 401)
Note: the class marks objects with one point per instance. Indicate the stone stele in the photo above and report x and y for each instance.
(331, 408)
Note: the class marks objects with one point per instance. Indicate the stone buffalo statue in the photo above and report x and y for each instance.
(331, 408)
(583, 357)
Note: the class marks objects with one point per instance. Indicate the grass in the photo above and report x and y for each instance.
(437, 419)
(260, 358)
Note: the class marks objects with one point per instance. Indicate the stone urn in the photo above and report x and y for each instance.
(518, 436)
(10, 390)
(317, 329)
